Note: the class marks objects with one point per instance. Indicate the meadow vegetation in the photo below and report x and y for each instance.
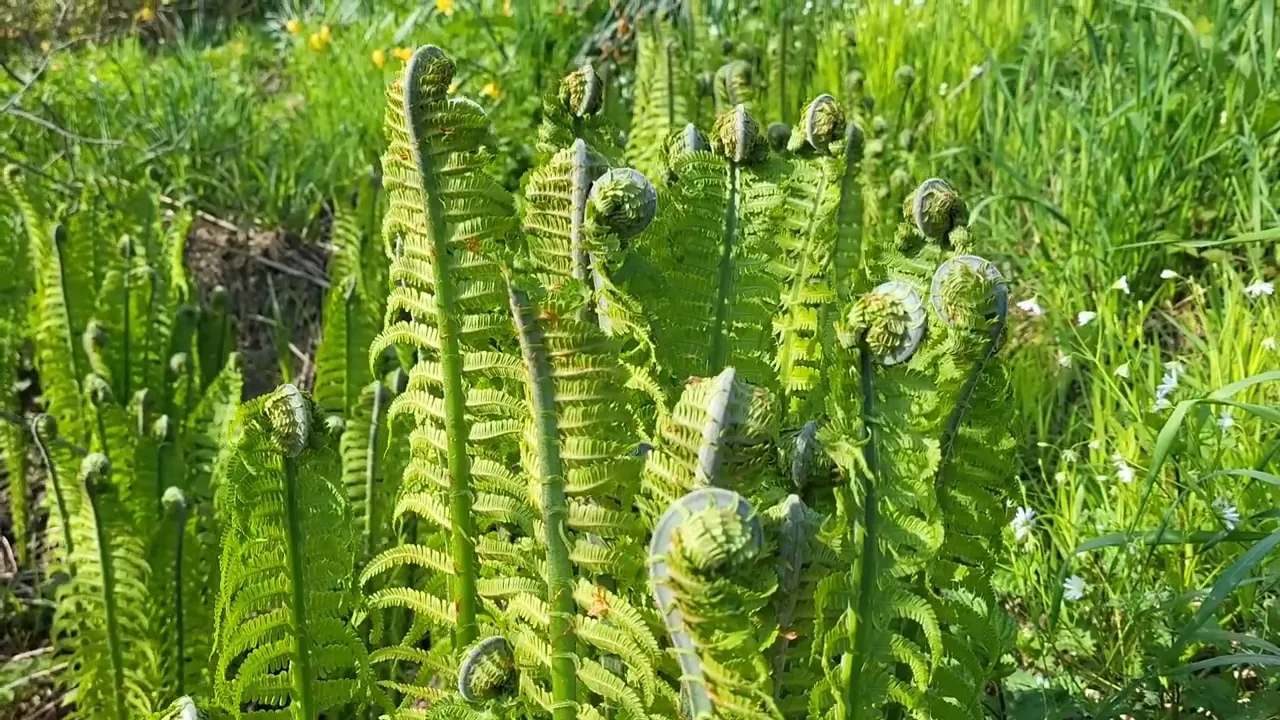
(527, 358)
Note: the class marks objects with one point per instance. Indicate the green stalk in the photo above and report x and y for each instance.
(301, 672)
(948, 441)
(848, 214)
(719, 343)
(870, 547)
(371, 471)
(58, 497)
(125, 339)
(554, 507)
(109, 602)
(667, 47)
(179, 617)
(462, 543)
(784, 31)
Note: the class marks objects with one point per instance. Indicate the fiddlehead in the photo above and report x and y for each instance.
(700, 569)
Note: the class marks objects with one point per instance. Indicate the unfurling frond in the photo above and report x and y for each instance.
(283, 642)
(702, 570)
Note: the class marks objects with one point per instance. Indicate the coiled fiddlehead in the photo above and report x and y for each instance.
(892, 319)
(487, 670)
(701, 572)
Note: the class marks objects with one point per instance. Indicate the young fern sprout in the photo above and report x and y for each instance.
(487, 671)
(700, 563)
(734, 85)
(891, 320)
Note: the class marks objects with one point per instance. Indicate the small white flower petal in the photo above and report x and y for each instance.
(1122, 284)
(1074, 588)
(1123, 370)
(1031, 307)
(1095, 444)
(1227, 512)
(1064, 360)
(1260, 288)
(1167, 274)
(1085, 317)
(1225, 420)
(1124, 473)
(1269, 343)
(1070, 455)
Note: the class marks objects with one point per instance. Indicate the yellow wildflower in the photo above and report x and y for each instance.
(324, 33)
(45, 46)
(294, 26)
(146, 14)
(379, 58)
(506, 7)
(492, 90)
(317, 42)
(445, 6)
(403, 54)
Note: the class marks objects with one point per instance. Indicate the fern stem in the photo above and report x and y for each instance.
(462, 522)
(126, 340)
(371, 471)
(109, 602)
(870, 541)
(784, 30)
(964, 400)
(551, 477)
(719, 343)
(179, 616)
(301, 672)
(848, 215)
(59, 499)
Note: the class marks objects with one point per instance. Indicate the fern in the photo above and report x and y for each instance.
(283, 645)
(819, 250)
(720, 433)
(702, 569)
(102, 619)
(719, 223)
(445, 217)
(661, 103)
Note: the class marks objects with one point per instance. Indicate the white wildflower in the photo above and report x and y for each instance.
(1064, 360)
(1074, 588)
(1023, 523)
(1259, 289)
(1095, 444)
(1122, 284)
(1167, 274)
(1031, 307)
(1124, 473)
(942, 89)
(1123, 370)
(1227, 513)
(1085, 317)
(1070, 455)
(1060, 476)
(1226, 421)
(977, 70)
(1268, 343)
(1167, 385)
(1222, 118)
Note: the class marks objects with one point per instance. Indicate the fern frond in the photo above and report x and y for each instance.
(282, 638)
